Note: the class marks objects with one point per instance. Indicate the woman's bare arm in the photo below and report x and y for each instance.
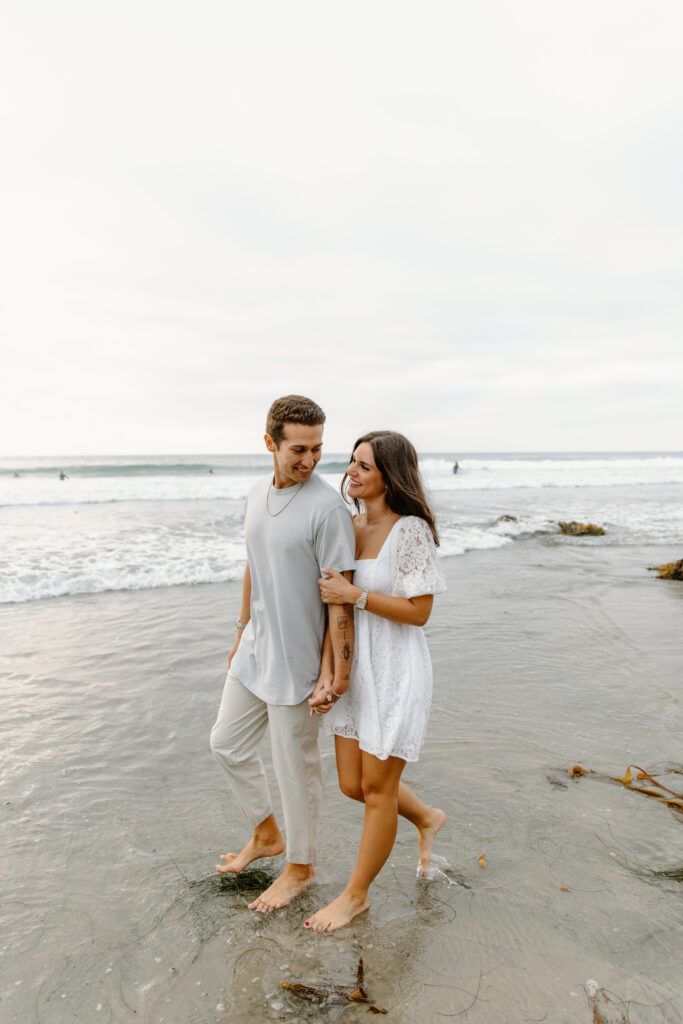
(337, 656)
(414, 611)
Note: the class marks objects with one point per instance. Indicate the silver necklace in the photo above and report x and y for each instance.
(297, 488)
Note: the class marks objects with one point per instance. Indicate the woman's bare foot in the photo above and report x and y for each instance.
(254, 849)
(337, 913)
(426, 836)
(284, 889)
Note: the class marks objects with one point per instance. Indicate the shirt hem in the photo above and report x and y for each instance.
(248, 685)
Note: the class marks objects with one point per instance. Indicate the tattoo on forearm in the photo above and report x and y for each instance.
(342, 640)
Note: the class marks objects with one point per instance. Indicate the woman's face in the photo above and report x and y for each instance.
(365, 480)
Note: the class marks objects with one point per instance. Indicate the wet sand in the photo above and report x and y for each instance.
(546, 655)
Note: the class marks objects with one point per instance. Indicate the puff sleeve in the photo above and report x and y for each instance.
(415, 563)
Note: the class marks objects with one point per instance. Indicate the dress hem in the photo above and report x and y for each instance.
(346, 736)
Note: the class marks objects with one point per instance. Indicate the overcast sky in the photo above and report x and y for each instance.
(462, 220)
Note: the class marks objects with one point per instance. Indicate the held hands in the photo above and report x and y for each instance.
(322, 698)
(336, 589)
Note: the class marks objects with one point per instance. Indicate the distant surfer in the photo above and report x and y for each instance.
(210, 470)
(456, 467)
(62, 475)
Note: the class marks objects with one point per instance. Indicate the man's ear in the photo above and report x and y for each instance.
(270, 444)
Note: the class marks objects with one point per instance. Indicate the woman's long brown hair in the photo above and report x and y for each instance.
(396, 459)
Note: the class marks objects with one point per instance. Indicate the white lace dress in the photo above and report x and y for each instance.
(387, 704)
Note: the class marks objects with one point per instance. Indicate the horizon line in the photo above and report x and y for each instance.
(448, 452)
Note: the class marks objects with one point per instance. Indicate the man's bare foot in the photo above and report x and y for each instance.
(254, 849)
(284, 889)
(337, 913)
(426, 836)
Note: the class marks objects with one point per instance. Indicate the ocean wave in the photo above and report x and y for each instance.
(68, 559)
(578, 471)
(57, 567)
(130, 531)
(89, 490)
(106, 548)
(455, 543)
(174, 480)
(172, 466)
(118, 469)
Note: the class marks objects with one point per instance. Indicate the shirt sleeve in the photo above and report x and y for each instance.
(415, 562)
(335, 542)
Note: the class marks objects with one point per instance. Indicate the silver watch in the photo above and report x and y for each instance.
(240, 625)
(362, 601)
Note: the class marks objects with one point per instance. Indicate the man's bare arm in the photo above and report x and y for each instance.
(245, 610)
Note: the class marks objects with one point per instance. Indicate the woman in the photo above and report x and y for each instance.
(379, 724)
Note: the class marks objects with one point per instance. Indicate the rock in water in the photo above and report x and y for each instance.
(669, 571)
(575, 529)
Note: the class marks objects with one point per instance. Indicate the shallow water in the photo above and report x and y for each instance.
(113, 812)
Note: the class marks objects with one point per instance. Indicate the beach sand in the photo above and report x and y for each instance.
(546, 655)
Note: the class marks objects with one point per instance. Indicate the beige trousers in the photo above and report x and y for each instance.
(235, 740)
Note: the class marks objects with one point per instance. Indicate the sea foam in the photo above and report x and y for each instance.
(129, 524)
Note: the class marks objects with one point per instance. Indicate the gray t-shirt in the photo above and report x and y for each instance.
(301, 530)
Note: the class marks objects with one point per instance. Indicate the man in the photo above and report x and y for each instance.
(294, 525)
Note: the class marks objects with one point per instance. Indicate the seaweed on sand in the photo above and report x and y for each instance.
(676, 874)
(669, 797)
(243, 884)
(668, 878)
(245, 881)
(334, 995)
(607, 1008)
(661, 875)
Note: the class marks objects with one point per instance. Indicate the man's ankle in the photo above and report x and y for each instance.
(299, 870)
(267, 833)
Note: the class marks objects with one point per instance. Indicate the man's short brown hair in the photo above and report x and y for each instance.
(292, 409)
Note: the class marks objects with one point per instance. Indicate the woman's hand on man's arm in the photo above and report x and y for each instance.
(414, 611)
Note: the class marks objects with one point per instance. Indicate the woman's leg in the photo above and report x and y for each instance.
(427, 820)
(379, 781)
(347, 753)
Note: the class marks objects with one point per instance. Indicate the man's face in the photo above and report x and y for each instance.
(298, 454)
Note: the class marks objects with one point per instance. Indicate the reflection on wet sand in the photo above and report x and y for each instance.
(544, 658)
